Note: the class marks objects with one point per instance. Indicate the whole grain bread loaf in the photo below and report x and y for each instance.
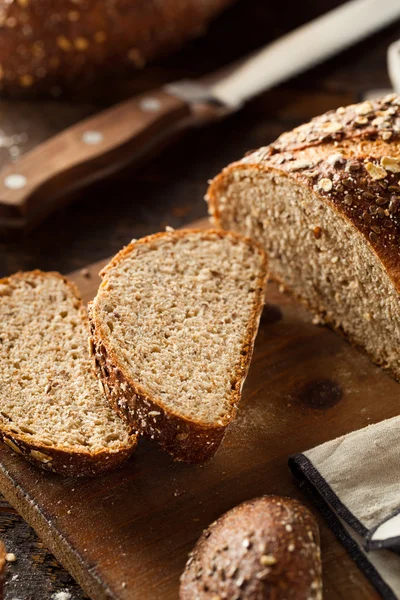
(263, 549)
(324, 201)
(173, 329)
(51, 408)
(46, 45)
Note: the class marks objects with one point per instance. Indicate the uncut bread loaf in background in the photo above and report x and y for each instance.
(263, 549)
(324, 201)
(47, 45)
(51, 408)
(173, 329)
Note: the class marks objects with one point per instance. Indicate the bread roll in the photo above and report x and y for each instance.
(264, 549)
(324, 201)
(46, 45)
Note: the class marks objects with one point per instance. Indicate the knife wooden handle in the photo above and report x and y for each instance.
(36, 183)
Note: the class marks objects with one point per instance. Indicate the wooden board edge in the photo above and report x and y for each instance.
(58, 545)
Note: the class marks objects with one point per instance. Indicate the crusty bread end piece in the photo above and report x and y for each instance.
(173, 329)
(264, 549)
(324, 202)
(51, 408)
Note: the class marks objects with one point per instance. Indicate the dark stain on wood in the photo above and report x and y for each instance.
(271, 314)
(320, 395)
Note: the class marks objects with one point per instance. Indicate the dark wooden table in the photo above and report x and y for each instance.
(169, 189)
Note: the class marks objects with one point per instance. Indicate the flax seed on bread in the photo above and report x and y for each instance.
(51, 409)
(324, 201)
(173, 329)
(264, 549)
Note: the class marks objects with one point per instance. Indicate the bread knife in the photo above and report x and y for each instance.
(35, 184)
(393, 62)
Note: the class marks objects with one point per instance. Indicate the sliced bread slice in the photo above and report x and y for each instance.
(173, 329)
(51, 408)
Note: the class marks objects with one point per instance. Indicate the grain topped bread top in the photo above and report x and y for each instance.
(377, 119)
(49, 395)
(178, 312)
(351, 158)
(263, 549)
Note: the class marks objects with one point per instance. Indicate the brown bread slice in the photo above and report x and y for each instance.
(324, 202)
(263, 549)
(51, 408)
(173, 327)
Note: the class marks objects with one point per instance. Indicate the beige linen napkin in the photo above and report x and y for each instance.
(354, 481)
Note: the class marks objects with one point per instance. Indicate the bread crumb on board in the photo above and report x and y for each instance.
(10, 557)
(61, 596)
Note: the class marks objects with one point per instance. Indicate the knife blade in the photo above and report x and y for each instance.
(40, 180)
(305, 47)
(393, 63)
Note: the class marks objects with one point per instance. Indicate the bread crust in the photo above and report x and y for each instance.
(46, 45)
(349, 159)
(66, 461)
(185, 439)
(263, 549)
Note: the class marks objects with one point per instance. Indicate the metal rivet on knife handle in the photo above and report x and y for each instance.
(150, 104)
(92, 137)
(15, 181)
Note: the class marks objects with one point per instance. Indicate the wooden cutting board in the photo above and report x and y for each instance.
(127, 535)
